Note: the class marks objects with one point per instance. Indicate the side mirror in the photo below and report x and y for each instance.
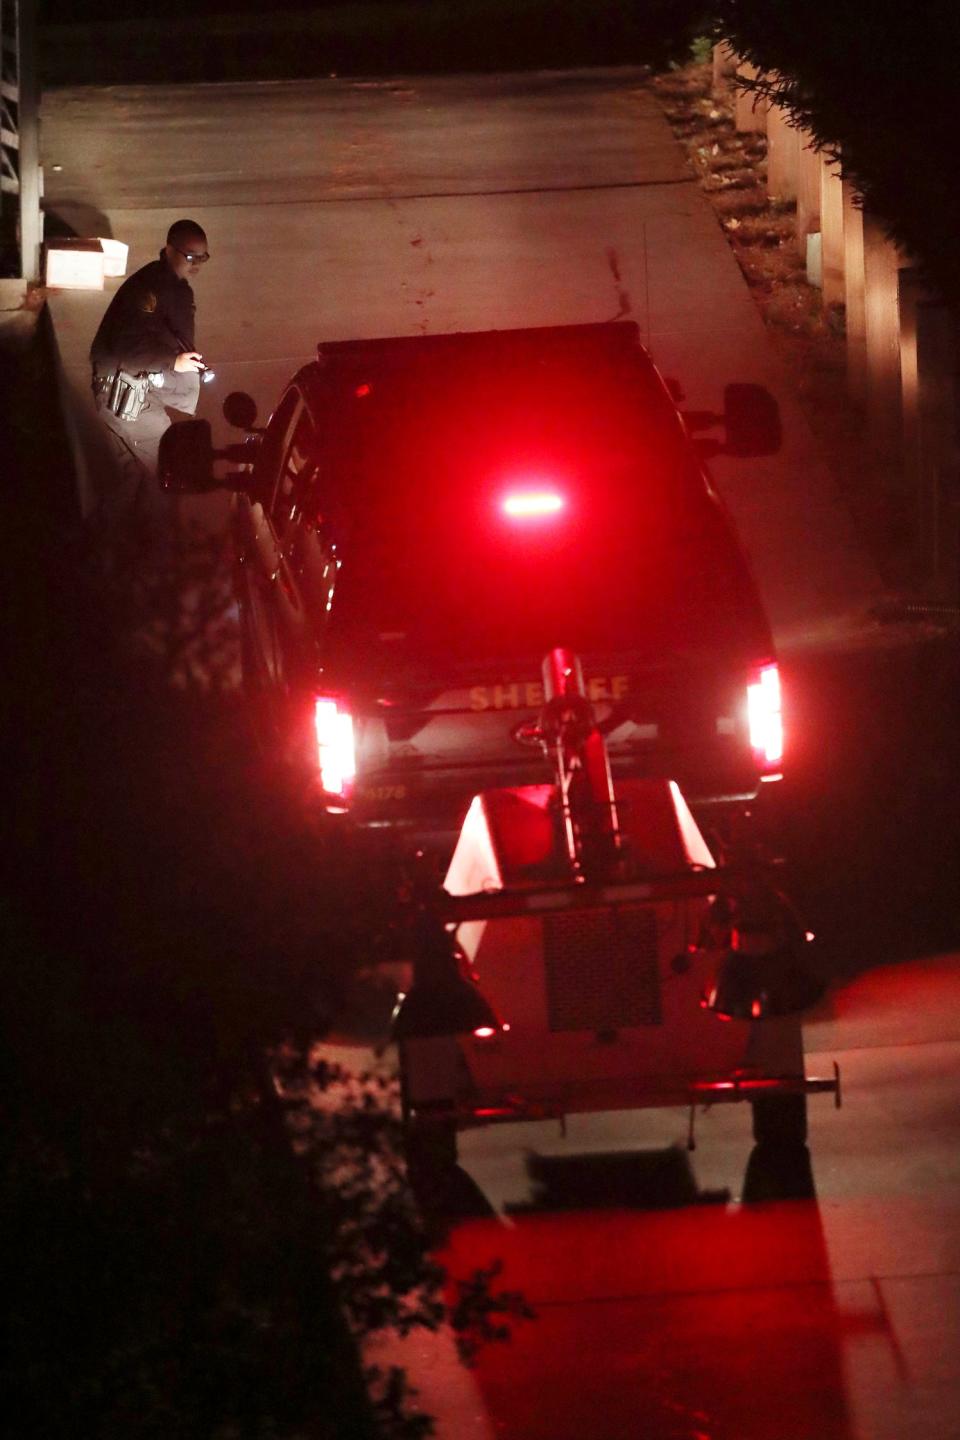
(186, 458)
(240, 410)
(752, 419)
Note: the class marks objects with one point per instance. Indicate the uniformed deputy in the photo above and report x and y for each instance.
(144, 359)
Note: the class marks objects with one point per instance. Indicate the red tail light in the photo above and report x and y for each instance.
(765, 718)
(336, 756)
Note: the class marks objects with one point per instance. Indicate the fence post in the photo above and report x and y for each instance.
(750, 110)
(724, 65)
(783, 154)
(831, 229)
(882, 263)
(854, 287)
(928, 358)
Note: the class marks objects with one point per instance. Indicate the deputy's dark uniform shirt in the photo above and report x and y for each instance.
(147, 323)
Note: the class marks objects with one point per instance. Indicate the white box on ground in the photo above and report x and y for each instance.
(114, 257)
(75, 263)
(74, 267)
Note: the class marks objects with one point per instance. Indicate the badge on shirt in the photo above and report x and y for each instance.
(149, 303)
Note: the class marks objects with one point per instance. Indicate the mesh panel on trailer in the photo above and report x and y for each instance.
(601, 969)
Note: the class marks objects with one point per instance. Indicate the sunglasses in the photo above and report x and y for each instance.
(192, 256)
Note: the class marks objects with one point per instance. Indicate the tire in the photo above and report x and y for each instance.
(276, 707)
(262, 710)
(431, 1153)
(431, 1147)
(778, 1172)
(780, 1120)
(429, 1142)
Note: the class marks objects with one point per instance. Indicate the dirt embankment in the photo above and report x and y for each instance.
(808, 336)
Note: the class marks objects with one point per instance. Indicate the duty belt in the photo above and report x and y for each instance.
(123, 394)
(101, 383)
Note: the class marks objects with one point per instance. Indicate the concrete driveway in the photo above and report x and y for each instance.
(347, 208)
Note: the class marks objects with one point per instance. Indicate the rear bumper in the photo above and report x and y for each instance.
(493, 1109)
(433, 803)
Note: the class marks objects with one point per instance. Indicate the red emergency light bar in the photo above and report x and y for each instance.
(527, 504)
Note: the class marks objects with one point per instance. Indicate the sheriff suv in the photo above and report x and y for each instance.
(424, 518)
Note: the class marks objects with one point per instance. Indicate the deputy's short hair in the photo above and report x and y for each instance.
(182, 230)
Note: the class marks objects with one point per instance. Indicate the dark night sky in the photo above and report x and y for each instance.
(70, 11)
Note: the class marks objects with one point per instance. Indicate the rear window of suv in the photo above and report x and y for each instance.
(624, 548)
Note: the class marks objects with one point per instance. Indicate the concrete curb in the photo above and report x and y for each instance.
(13, 294)
(36, 422)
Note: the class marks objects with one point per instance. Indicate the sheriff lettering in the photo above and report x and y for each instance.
(528, 694)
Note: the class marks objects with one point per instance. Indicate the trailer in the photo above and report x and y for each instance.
(589, 951)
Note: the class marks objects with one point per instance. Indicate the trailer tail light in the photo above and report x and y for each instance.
(765, 719)
(336, 756)
(490, 1032)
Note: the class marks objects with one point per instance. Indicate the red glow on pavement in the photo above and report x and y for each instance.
(896, 1003)
(684, 1294)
